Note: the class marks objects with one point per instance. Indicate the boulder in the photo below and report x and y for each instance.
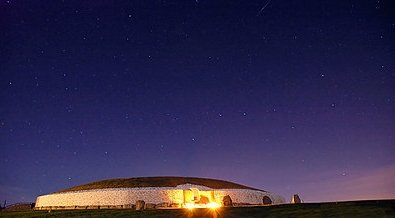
(140, 205)
(162, 205)
(227, 201)
(296, 199)
(175, 205)
(203, 200)
(266, 200)
(149, 206)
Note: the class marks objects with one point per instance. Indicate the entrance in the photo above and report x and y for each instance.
(194, 198)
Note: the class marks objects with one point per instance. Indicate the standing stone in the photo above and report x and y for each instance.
(266, 200)
(296, 199)
(227, 201)
(204, 200)
(140, 205)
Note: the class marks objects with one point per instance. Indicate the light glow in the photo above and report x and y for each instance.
(211, 205)
(190, 206)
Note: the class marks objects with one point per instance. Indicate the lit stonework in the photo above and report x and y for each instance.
(181, 196)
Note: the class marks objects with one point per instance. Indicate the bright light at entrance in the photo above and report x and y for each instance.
(194, 198)
(189, 206)
(212, 205)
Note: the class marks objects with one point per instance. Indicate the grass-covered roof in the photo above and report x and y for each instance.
(157, 182)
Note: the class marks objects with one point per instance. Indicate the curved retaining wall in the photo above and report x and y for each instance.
(125, 197)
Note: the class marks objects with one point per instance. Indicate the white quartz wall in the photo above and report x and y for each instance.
(127, 196)
(110, 197)
(246, 196)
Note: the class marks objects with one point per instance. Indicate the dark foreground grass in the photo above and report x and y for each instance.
(382, 208)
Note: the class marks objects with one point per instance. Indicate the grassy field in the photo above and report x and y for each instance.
(382, 208)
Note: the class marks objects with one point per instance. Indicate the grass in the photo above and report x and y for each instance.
(379, 208)
(157, 182)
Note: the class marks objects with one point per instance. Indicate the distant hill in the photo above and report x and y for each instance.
(157, 182)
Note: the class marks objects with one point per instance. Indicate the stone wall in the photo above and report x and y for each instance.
(121, 196)
(247, 196)
(125, 197)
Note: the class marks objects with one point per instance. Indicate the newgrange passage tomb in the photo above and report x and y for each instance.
(158, 193)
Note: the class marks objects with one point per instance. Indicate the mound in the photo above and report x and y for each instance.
(158, 193)
(157, 182)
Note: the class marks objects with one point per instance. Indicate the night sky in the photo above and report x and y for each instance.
(289, 96)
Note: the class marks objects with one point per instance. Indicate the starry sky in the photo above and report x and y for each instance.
(289, 96)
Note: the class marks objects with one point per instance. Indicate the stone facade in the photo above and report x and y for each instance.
(127, 197)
